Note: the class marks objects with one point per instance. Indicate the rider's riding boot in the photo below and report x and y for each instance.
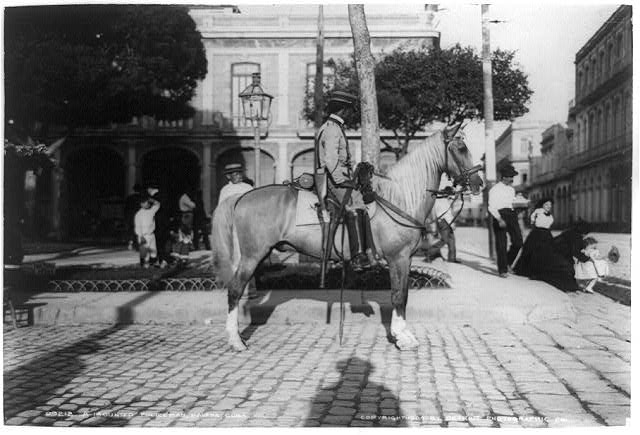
(359, 260)
(367, 243)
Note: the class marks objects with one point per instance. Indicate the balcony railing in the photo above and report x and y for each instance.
(616, 144)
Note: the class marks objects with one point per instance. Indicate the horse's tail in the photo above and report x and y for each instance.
(222, 241)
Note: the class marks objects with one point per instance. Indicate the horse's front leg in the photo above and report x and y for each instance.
(399, 274)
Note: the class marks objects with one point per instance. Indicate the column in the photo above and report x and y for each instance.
(205, 176)
(131, 167)
(56, 181)
(282, 164)
(282, 99)
(207, 89)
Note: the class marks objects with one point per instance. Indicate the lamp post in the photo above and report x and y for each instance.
(256, 106)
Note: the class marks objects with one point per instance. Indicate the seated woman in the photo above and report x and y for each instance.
(539, 259)
(590, 272)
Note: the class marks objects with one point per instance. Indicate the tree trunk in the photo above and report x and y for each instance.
(365, 69)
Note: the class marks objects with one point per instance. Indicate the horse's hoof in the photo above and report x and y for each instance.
(406, 341)
(406, 344)
(238, 344)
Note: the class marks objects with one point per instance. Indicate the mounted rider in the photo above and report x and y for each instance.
(333, 158)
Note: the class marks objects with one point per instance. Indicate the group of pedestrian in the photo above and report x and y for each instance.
(569, 261)
(161, 237)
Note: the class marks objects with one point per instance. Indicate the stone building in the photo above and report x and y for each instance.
(587, 167)
(602, 124)
(550, 173)
(99, 167)
(519, 142)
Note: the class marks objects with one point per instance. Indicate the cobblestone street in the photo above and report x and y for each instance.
(555, 373)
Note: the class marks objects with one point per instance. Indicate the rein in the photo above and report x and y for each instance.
(415, 223)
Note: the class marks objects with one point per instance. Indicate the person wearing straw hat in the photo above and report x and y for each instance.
(235, 187)
(505, 220)
(234, 173)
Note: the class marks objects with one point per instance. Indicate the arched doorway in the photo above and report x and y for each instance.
(175, 171)
(302, 162)
(95, 180)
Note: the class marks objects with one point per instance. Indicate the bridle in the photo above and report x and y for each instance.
(463, 179)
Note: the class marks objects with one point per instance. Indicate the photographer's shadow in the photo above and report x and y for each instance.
(354, 401)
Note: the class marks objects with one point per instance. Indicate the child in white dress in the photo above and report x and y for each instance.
(597, 267)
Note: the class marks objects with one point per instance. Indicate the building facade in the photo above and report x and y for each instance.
(602, 121)
(550, 174)
(98, 168)
(516, 145)
(587, 169)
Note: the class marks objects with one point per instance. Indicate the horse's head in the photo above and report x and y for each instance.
(459, 163)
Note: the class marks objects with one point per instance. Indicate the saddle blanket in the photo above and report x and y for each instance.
(306, 213)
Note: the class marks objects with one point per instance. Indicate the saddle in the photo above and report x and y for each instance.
(314, 197)
(308, 183)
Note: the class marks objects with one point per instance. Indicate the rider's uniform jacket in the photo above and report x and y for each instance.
(333, 149)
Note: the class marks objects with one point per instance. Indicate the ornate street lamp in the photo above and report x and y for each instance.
(256, 106)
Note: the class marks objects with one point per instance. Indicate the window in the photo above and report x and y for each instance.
(328, 77)
(616, 117)
(586, 78)
(619, 48)
(610, 58)
(626, 114)
(601, 71)
(240, 79)
(525, 146)
(591, 138)
(607, 122)
(598, 139)
(524, 178)
(579, 86)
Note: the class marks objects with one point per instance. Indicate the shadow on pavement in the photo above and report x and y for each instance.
(359, 301)
(353, 398)
(45, 378)
(478, 265)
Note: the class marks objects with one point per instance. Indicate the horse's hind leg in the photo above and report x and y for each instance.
(399, 274)
(236, 289)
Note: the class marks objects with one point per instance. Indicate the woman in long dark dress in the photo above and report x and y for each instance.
(539, 259)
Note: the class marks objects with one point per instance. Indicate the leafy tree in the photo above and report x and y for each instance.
(91, 65)
(417, 88)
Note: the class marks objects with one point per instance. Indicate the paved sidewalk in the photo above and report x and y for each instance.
(554, 373)
(494, 352)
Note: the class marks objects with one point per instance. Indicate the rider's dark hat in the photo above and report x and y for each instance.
(508, 171)
(342, 97)
(233, 167)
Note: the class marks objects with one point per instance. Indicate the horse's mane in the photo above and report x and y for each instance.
(409, 178)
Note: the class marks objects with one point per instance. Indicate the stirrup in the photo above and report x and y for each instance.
(360, 262)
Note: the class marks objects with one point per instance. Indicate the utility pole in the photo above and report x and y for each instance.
(319, 80)
(489, 141)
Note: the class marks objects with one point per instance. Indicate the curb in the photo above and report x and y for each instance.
(286, 307)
